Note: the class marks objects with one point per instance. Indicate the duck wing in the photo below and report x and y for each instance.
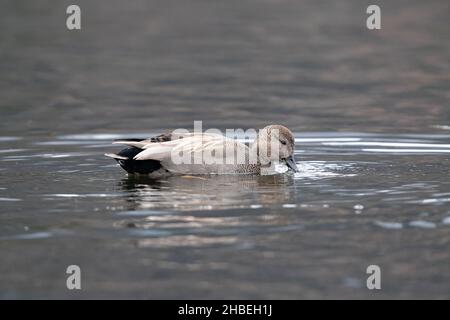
(213, 148)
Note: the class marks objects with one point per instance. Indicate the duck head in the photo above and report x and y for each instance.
(276, 143)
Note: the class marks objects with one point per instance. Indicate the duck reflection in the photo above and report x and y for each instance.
(207, 192)
(193, 210)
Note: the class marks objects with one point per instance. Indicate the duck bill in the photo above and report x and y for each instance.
(290, 162)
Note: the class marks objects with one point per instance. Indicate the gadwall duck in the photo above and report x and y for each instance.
(195, 153)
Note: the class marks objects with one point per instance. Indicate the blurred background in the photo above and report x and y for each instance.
(370, 111)
(146, 65)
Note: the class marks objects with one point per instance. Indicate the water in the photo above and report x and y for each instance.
(370, 113)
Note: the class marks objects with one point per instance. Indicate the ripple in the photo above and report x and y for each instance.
(105, 136)
(62, 143)
(67, 171)
(148, 233)
(140, 213)
(12, 159)
(325, 140)
(418, 151)
(90, 195)
(6, 139)
(389, 225)
(186, 241)
(443, 127)
(321, 169)
(29, 236)
(12, 150)
(422, 224)
(49, 155)
(432, 201)
(389, 144)
(10, 199)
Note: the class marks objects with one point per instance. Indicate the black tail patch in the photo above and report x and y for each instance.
(137, 166)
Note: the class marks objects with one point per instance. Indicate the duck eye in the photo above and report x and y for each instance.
(283, 142)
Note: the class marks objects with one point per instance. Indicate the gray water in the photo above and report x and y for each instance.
(370, 111)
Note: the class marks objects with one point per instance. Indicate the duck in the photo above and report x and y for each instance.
(181, 152)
